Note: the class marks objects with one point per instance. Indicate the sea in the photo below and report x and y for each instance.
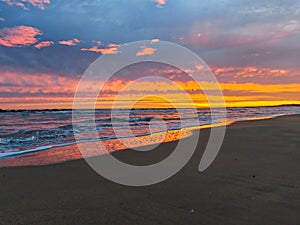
(25, 132)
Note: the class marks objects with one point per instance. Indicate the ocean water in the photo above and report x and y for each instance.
(25, 132)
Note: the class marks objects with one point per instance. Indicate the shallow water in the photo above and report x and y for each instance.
(25, 132)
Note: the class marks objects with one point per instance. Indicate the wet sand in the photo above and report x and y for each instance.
(255, 179)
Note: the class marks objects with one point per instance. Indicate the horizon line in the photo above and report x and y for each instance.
(202, 107)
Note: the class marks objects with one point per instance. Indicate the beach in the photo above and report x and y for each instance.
(255, 179)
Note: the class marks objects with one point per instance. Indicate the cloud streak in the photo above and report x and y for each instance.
(43, 44)
(25, 3)
(109, 50)
(253, 72)
(71, 42)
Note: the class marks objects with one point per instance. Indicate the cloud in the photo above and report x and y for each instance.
(68, 61)
(262, 75)
(92, 49)
(27, 81)
(97, 43)
(15, 3)
(253, 72)
(25, 3)
(39, 90)
(155, 40)
(71, 42)
(110, 49)
(146, 51)
(2, 19)
(160, 3)
(268, 33)
(35, 90)
(43, 44)
(38, 3)
(113, 45)
(19, 36)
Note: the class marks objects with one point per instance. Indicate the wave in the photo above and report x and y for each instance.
(32, 139)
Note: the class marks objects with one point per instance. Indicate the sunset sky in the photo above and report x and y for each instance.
(252, 46)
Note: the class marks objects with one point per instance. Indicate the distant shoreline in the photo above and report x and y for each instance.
(57, 110)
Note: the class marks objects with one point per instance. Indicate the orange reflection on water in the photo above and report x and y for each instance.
(67, 153)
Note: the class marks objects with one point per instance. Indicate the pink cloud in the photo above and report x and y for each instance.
(39, 3)
(264, 33)
(44, 44)
(146, 51)
(97, 43)
(160, 3)
(15, 3)
(71, 42)
(19, 36)
(155, 40)
(254, 72)
(111, 49)
(25, 3)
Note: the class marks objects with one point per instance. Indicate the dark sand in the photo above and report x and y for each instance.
(254, 180)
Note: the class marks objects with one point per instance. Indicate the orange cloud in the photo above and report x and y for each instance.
(71, 42)
(160, 3)
(24, 3)
(19, 36)
(146, 51)
(111, 49)
(267, 89)
(44, 44)
(42, 90)
(240, 94)
(113, 45)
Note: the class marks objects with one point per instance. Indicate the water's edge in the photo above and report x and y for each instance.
(188, 132)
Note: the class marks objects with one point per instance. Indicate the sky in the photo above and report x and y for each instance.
(252, 46)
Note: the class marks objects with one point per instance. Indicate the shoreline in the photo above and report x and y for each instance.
(73, 153)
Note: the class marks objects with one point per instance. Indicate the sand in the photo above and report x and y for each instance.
(254, 180)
